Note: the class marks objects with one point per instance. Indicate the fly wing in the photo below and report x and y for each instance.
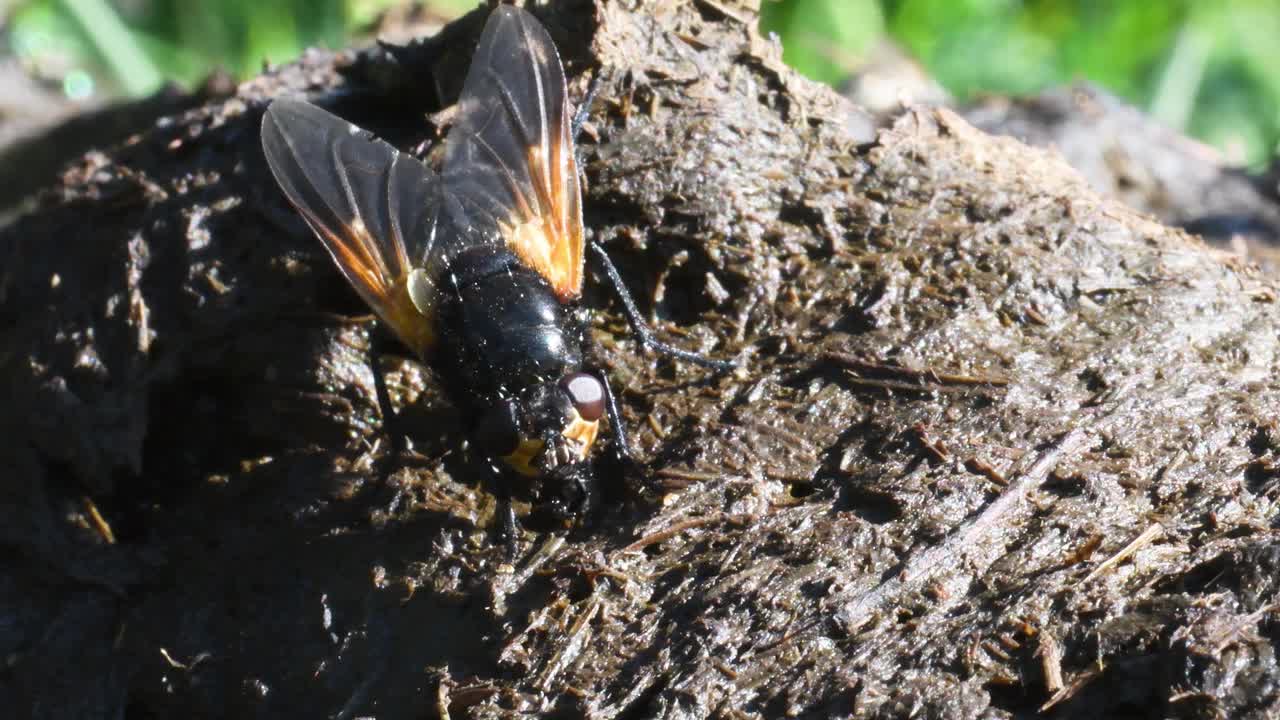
(370, 205)
(508, 162)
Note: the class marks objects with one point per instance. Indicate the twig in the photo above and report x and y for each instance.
(936, 449)
(1070, 691)
(919, 378)
(899, 385)
(675, 529)
(99, 523)
(1227, 635)
(1051, 663)
(976, 532)
(1151, 533)
(1084, 551)
(569, 649)
(978, 466)
(690, 475)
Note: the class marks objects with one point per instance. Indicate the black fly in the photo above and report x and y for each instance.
(477, 268)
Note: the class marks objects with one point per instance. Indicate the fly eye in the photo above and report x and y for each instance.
(587, 394)
(498, 432)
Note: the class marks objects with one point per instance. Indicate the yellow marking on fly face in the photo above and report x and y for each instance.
(580, 434)
(521, 460)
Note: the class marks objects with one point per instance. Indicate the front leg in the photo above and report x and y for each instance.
(642, 330)
(569, 496)
(509, 530)
(584, 108)
(621, 445)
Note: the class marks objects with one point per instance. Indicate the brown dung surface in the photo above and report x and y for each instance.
(1000, 447)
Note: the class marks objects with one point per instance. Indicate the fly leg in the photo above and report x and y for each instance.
(621, 445)
(588, 495)
(584, 108)
(574, 496)
(509, 530)
(642, 330)
(390, 418)
(579, 119)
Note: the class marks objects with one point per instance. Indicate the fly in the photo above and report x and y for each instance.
(477, 267)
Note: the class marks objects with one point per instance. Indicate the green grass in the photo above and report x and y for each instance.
(133, 52)
(1209, 69)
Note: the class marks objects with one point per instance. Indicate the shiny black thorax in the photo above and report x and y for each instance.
(505, 329)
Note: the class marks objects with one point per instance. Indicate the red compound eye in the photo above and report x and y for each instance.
(587, 394)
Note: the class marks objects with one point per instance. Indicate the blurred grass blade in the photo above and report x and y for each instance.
(115, 43)
(824, 39)
(1179, 84)
(273, 34)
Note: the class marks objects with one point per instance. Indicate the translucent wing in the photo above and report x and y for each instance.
(368, 203)
(509, 160)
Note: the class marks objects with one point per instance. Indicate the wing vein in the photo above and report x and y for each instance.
(509, 157)
(363, 200)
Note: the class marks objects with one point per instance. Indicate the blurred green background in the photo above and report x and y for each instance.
(1211, 69)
